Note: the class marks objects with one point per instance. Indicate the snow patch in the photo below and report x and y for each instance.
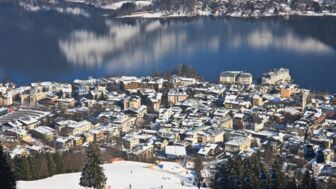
(122, 174)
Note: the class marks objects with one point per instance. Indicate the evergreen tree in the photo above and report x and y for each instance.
(313, 184)
(223, 175)
(93, 173)
(22, 168)
(59, 163)
(320, 156)
(198, 164)
(280, 181)
(305, 183)
(51, 164)
(292, 184)
(7, 178)
(44, 167)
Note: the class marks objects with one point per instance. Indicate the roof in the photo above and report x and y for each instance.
(175, 150)
(23, 115)
(44, 129)
(237, 141)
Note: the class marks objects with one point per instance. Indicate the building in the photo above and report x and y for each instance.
(231, 77)
(154, 105)
(257, 100)
(63, 143)
(238, 144)
(143, 153)
(244, 78)
(122, 122)
(275, 76)
(136, 113)
(228, 77)
(6, 100)
(175, 96)
(44, 133)
(64, 103)
(286, 91)
(132, 102)
(70, 127)
(174, 152)
(182, 81)
(226, 122)
(88, 137)
(3, 111)
(305, 94)
(211, 135)
(208, 150)
(317, 168)
(27, 118)
(35, 96)
(129, 142)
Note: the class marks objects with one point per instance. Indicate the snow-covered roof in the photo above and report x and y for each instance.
(175, 150)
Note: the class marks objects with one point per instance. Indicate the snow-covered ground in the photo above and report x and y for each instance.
(121, 174)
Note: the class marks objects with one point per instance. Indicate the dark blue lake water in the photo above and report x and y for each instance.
(39, 46)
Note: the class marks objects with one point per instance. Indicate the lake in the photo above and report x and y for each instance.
(52, 46)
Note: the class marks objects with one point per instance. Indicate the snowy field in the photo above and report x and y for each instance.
(120, 175)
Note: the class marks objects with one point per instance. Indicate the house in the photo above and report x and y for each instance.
(274, 76)
(132, 101)
(175, 152)
(70, 127)
(64, 103)
(63, 143)
(141, 152)
(6, 100)
(175, 96)
(123, 122)
(238, 144)
(129, 142)
(232, 77)
(208, 150)
(44, 133)
(182, 81)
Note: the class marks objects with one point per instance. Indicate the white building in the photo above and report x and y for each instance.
(174, 151)
(275, 76)
(230, 77)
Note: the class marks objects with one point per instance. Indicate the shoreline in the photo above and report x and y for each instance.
(159, 15)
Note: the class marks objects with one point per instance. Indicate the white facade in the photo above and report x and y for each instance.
(230, 77)
(277, 75)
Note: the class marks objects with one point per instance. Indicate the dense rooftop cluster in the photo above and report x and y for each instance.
(175, 118)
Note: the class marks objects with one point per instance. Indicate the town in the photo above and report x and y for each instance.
(176, 118)
(188, 8)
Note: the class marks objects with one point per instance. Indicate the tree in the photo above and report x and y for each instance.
(305, 183)
(292, 184)
(6, 79)
(22, 168)
(269, 152)
(7, 177)
(320, 156)
(198, 163)
(280, 181)
(59, 163)
(313, 184)
(51, 164)
(93, 174)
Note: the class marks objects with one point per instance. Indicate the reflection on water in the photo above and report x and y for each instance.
(147, 42)
(123, 46)
(265, 39)
(42, 50)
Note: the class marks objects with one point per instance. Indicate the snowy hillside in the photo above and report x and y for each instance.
(121, 174)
